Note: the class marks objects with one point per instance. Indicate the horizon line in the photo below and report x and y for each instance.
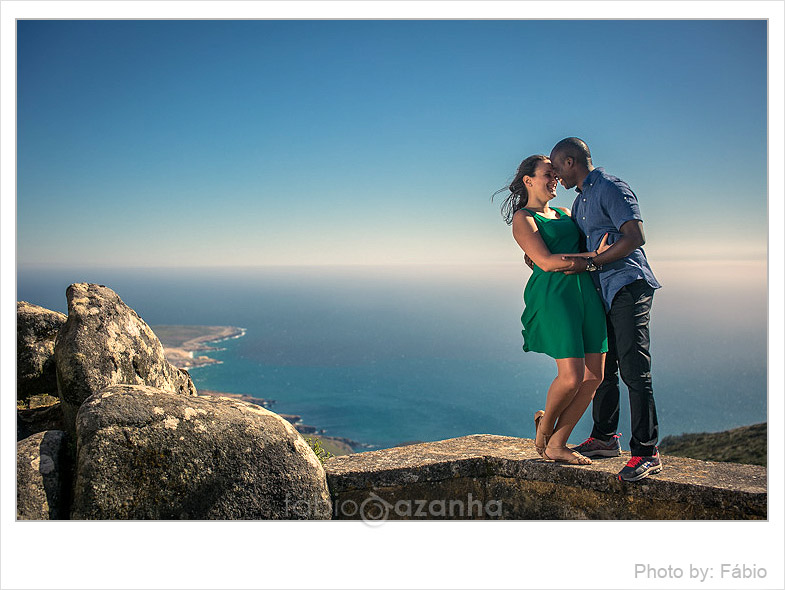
(105, 266)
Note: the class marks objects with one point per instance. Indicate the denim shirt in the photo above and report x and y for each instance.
(603, 205)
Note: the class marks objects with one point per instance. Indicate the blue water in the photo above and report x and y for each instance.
(388, 355)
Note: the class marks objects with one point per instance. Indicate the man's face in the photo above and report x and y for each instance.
(563, 167)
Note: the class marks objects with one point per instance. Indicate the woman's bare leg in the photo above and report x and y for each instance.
(563, 389)
(568, 418)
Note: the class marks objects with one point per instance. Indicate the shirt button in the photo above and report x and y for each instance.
(584, 200)
(583, 218)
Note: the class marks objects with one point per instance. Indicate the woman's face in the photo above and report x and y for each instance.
(564, 170)
(544, 181)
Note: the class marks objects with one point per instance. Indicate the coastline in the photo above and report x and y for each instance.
(182, 342)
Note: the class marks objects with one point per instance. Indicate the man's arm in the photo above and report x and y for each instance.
(631, 239)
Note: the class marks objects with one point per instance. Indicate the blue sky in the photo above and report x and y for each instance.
(166, 143)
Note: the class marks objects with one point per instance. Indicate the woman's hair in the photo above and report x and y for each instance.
(518, 196)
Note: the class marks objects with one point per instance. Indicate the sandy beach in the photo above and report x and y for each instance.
(183, 343)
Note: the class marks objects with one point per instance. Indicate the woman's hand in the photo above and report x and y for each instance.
(600, 249)
(580, 262)
(603, 245)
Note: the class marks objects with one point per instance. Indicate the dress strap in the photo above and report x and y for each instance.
(557, 209)
(561, 212)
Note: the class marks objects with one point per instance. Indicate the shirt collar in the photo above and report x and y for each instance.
(590, 179)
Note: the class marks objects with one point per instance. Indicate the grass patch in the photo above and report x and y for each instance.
(326, 446)
(746, 444)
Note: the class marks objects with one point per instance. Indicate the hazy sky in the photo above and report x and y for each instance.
(158, 143)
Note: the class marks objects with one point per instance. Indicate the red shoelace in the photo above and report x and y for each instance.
(635, 461)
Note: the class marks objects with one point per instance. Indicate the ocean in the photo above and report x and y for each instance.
(387, 355)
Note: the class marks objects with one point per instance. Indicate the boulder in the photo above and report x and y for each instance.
(40, 400)
(145, 453)
(104, 342)
(41, 478)
(36, 329)
(38, 418)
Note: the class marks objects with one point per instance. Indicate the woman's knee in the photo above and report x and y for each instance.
(570, 379)
(570, 372)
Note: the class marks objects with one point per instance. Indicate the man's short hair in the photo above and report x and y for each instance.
(574, 147)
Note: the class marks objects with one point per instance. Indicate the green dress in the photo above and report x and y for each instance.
(564, 316)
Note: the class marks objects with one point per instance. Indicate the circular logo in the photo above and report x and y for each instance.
(374, 510)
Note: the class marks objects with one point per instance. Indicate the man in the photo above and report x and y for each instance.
(607, 205)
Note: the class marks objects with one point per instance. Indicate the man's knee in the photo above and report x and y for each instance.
(639, 382)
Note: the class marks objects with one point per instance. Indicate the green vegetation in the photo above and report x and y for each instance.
(321, 453)
(336, 446)
(746, 444)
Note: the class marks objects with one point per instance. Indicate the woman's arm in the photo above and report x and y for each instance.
(564, 265)
(526, 233)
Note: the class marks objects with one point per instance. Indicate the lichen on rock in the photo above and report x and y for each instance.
(42, 476)
(146, 453)
(36, 330)
(104, 342)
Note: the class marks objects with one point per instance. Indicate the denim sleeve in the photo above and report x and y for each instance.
(620, 204)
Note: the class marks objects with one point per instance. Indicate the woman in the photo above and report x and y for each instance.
(563, 316)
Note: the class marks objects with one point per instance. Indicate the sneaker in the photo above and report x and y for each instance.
(594, 447)
(640, 467)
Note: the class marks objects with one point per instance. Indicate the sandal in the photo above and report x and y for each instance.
(537, 417)
(576, 459)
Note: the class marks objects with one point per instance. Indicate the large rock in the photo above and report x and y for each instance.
(144, 453)
(36, 329)
(104, 342)
(39, 418)
(41, 479)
